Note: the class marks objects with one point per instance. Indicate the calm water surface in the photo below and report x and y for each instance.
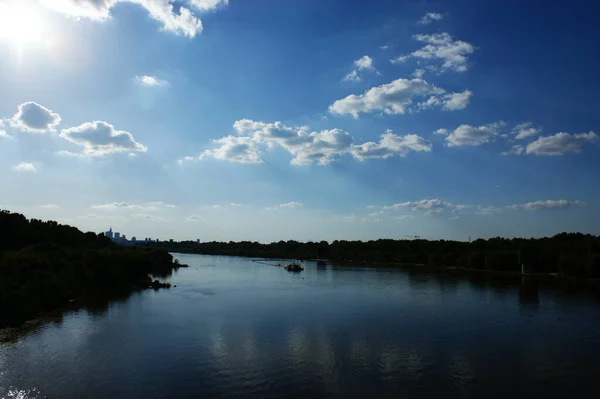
(233, 328)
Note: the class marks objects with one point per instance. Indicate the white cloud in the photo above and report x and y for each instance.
(547, 204)
(428, 206)
(100, 138)
(560, 143)
(391, 144)
(306, 147)
(467, 135)
(384, 47)
(180, 20)
(442, 47)
(151, 81)
(194, 218)
(352, 76)
(440, 207)
(49, 206)
(430, 17)
(207, 5)
(397, 97)
(362, 64)
(456, 101)
(146, 216)
(32, 117)
(515, 150)
(443, 132)
(235, 149)
(418, 73)
(24, 167)
(487, 210)
(292, 204)
(365, 62)
(149, 206)
(525, 130)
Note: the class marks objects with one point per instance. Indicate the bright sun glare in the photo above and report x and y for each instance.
(20, 23)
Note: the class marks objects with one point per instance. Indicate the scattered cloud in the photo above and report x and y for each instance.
(456, 101)
(307, 147)
(430, 17)
(100, 138)
(292, 204)
(151, 81)
(49, 206)
(146, 216)
(397, 98)
(232, 148)
(560, 143)
(467, 135)
(418, 73)
(24, 167)
(428, 206)
(289, 205)
(515, 150)
(194, 218)
(487, 210)
(179, 20)
(453, 54)
(2, 131)
(34, 118)
(390, 145)
(384, 47)
(442, 132)
(148, 206)
(352, 76)
(441, 207)
(365, 63)
(548, 204)
(525, 130)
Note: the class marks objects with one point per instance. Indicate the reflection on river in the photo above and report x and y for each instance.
(234, 328)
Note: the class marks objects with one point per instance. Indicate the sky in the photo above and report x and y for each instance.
(270, 120)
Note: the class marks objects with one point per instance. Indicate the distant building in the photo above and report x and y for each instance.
(109, 233)
(198, 241)
(117, 236)
(171, 240)
(133, 240)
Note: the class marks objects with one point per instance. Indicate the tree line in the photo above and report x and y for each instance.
(44, 265)
(566, 254)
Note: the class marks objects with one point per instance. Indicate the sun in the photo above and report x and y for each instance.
(20, 23)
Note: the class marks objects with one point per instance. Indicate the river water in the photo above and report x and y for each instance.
(233, 328)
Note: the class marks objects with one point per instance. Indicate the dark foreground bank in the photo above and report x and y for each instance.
(45, 265)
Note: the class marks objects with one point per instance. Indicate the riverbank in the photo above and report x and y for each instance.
(572, 255)
(45, 266)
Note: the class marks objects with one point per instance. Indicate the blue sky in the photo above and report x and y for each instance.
(301, 119)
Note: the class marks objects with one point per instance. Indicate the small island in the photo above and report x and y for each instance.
(45, 265)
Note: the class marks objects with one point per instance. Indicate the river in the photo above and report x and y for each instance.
(233, 328)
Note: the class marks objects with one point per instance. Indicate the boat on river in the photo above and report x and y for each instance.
(294, 267)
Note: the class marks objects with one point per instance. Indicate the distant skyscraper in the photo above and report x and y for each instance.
(109, 233)
(117, 235)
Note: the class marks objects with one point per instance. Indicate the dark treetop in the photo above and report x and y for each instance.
(44, 265)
